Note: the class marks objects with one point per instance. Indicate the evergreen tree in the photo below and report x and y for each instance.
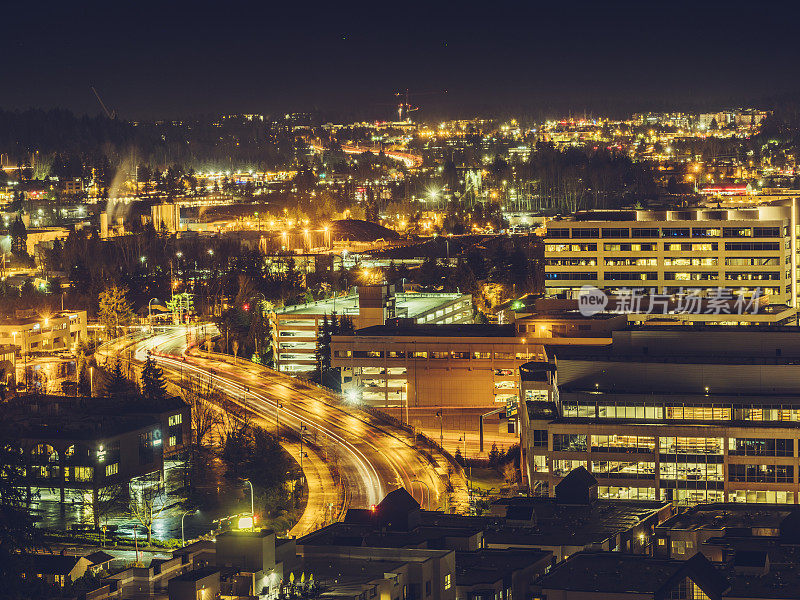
(346, 326)
(19, 238)
(323, 353)
(153, 385)
(84, 384)
(114, 309)
(116, 384)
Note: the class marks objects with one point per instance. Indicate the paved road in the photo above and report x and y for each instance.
(372, 458)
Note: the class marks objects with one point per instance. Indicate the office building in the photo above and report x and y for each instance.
(675, 414)
(297, 326)
(674, 250)
(84, 445)
(444, 377)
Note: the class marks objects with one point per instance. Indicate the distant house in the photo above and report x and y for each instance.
(54, 569)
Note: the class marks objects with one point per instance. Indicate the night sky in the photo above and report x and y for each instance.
(172, 59)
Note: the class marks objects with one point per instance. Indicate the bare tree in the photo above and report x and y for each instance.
(205, 416)
(108, 501)
(147, 501)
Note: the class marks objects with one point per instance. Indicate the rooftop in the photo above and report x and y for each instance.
(615, 572)
(449, 330)
(730, 516)
(50, 564)
(488, 566)
(197, 574)
(411, 304)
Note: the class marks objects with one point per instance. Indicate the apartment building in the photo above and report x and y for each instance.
(688, 416)
(443, 377)
(32, 332)
(297, 326)
(670, 251)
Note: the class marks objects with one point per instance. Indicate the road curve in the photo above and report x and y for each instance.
(371, 457)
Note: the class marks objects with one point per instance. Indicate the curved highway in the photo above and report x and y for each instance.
(371, 458)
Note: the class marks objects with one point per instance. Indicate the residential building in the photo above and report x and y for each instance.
(675, 250)
(54, 569)
(615, 576)
(32, 332)
(720, 530)
(199, 583)
(297, 326)
(547, 529)
(674, 414)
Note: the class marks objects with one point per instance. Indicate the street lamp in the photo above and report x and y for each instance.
(91, 382)
(183, 516)
(278, 407)
(150, 313)
(252, 505)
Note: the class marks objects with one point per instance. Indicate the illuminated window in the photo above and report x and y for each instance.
(448, 581)
(175, 420)
(112, 469)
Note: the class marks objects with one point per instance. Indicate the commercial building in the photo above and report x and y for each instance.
(297, 326)
(444, 377)
(675, 414)
(86, 445)
(32, 332)
(674, 250)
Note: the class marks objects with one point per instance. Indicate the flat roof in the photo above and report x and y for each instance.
(444, 330)
(781, 582)
(612, 572)
(571, 525)
(489, 565)
(730, 515)
(197, 574)
(414, 304)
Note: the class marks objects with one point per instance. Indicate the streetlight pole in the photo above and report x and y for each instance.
(91, 382)
(252, 504)
(183, 539)
(302, 429)
(278, 407)
(150, 313)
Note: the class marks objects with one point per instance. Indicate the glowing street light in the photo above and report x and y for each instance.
(252, 505)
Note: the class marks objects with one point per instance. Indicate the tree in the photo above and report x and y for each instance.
(323, 353)
(153, 385)
(19, 239)
(147, 500)
(205, 417)
(17, 531)
(116, 384)
(114, 309)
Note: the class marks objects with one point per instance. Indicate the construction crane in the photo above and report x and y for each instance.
(404, 107)
(111, 114)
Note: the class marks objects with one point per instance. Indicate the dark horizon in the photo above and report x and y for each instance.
(164, 62)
